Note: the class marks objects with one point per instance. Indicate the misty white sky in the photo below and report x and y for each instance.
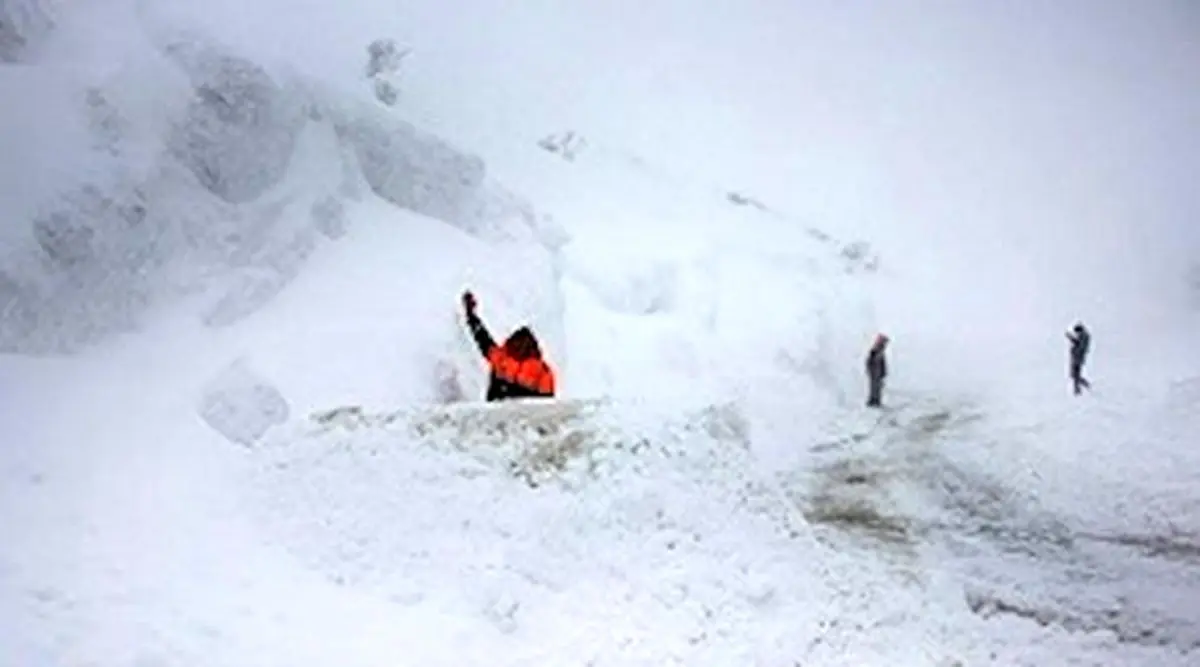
(1036, 160)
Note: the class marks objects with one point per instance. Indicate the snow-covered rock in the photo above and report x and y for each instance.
(87, 271)
(383, 57)
(329, 217)
(859, 257)
(242, 406)
(241, 128)
(95, 226)
(383, 64)
(22, 24)
(413, 169)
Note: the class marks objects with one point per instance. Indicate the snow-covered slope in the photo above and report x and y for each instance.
(237, 415)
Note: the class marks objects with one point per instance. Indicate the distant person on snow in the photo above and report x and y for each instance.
(1080, 340)
(517, 367)
(876, 371)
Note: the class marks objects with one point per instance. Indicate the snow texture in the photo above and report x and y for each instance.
(242, 406)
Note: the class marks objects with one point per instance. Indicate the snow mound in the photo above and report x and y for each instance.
(562, 520)
(566, 442)
(242, 406)
(571, 527)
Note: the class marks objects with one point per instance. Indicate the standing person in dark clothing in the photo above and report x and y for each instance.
(876, 371)
(1080, 340)
(517, 367)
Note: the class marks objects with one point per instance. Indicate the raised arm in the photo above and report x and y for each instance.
(479, 332)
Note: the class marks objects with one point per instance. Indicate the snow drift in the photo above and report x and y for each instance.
(225, 179)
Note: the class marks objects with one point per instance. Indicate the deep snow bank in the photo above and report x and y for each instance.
(187, 170)
(578, 531)
(626, 533)
(173, 166)
(676, 290)
(126, 541)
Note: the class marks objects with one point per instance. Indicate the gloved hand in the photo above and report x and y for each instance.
(468, 301)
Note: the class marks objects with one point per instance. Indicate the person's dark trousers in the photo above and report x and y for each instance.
(1078, 380)
(875, 393)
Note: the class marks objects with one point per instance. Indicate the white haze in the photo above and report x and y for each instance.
(1036, 161)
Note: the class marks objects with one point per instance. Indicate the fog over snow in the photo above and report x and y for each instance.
(239, 408)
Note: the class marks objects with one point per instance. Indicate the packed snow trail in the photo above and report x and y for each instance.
(924, 480)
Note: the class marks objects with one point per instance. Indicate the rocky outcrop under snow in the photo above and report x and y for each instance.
(413, 169)
(227, 185)
(23, 23)
(241, 126)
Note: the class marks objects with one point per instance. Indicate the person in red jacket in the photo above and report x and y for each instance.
(517, 367)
